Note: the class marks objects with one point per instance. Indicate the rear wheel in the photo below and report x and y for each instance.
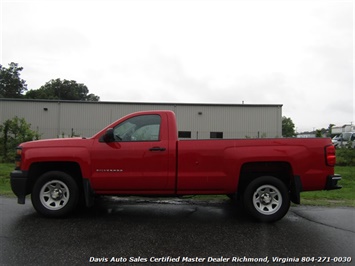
(55, 194)
(231, 196)
(267, 199)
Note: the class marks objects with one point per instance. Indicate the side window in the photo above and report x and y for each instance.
(138, 128)
(184, 134)
(216, 135)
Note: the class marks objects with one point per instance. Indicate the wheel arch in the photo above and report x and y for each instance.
(39, 168)
(252, 170)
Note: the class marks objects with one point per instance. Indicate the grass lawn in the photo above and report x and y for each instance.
(5, 169)
(340, 197)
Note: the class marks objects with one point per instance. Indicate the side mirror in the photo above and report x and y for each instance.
(108, 136)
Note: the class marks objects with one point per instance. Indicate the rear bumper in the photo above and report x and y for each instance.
(332, 182)
(19, 183)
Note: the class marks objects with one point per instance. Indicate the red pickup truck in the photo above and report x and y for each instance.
(140, 154)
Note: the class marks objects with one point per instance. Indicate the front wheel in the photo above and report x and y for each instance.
(55, 194)
(267, 199)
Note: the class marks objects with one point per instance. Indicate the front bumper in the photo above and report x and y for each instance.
(19, 184)
(332, 182)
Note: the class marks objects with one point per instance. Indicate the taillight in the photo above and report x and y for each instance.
(330, 158)
(18, 158)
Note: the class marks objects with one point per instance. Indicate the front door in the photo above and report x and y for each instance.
(137, 159)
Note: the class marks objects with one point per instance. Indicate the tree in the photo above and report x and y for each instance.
(57, 89)
(323, 132)
(330, 130)
(12, 133)
(11, 85)
(288, 127)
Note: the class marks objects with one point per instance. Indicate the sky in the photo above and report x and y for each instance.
(295, 53)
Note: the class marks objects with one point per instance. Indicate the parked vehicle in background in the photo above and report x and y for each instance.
(140, 154)
(335, 140)
(344, 140)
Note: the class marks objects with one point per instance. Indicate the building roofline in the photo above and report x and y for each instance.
(141, 103)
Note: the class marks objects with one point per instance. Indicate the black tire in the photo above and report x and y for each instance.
(231, 196)
(55, 194)
(267, 199)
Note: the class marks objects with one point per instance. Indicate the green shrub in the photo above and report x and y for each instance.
(345, 157)
(12, 133)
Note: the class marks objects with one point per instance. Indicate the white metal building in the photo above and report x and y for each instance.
(343, 129)
(53, 118)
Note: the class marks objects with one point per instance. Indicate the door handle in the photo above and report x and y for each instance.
(157, 149)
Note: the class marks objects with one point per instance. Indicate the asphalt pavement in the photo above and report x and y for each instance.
(133, 231)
